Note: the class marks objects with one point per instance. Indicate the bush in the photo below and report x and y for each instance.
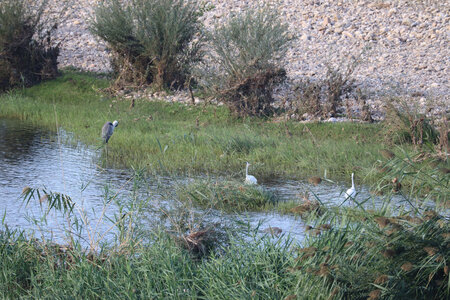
(152, 41)
(26, 52)
(244, 65)
(404, 124)
(323, 97)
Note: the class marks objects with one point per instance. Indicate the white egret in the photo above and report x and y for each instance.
(249, 179)
(351, 192)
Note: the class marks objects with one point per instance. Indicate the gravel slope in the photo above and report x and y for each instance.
(407, 42)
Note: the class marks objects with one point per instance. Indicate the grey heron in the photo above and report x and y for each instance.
(249, 179)
(108, 130)
(351, 192)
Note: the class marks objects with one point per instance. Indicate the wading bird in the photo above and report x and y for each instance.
(108, 130)
(249, 179)
(351, 192)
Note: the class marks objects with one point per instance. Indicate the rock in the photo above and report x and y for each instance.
(305, 37)
(348, 34)
(331, 120)
(434, 85)
(338, 30)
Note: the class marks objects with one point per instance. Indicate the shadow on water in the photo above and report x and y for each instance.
(18, 143)
(32, 157)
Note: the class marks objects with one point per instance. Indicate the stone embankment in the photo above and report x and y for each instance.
(403, 44)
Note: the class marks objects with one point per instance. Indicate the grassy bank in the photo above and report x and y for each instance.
(176, 138)
(227, 195)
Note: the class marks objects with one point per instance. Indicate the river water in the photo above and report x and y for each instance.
(33, 157)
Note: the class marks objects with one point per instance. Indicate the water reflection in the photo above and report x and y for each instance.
(16, 142)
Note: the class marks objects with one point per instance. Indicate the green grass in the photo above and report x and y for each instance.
(226, 195)
(354, 255)
(170, 140)
(158, 270)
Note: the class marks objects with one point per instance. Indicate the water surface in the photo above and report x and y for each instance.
(37, 158)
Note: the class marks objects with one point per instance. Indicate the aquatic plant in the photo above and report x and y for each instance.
(226, 195)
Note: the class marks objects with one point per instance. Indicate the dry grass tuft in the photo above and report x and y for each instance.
(308, 250)
(387, 154)
(307, 208)
(431, 250)
(325, 226)
(199, 241)
(43, 198)
(381, 279)
(388, 253)
(315, 180)
(382, 222)
(348, 244)
(26, 190)
(407, 266)
(333, 293)
(375, 294)
(430, 214)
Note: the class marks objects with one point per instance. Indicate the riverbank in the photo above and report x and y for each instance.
(179, 139)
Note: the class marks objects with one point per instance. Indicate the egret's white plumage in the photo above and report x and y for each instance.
(108, 130)
(351, 192)
(249, 179)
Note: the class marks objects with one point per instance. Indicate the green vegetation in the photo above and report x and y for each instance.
(244, 67)
(226, 195)
(180, 139)
(152, 40)
(188, 253)
(405, 125)
(160, 269)
(375, 256)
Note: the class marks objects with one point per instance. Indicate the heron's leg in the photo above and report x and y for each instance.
(106, 150)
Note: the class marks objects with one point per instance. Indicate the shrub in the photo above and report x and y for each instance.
(309, 97)
(337, 83)
(404, 124)
(26, 52)
(152, 41)
(323, 97)
(244, 64)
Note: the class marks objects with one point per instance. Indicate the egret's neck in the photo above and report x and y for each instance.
(246, 171)
(353, 183)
